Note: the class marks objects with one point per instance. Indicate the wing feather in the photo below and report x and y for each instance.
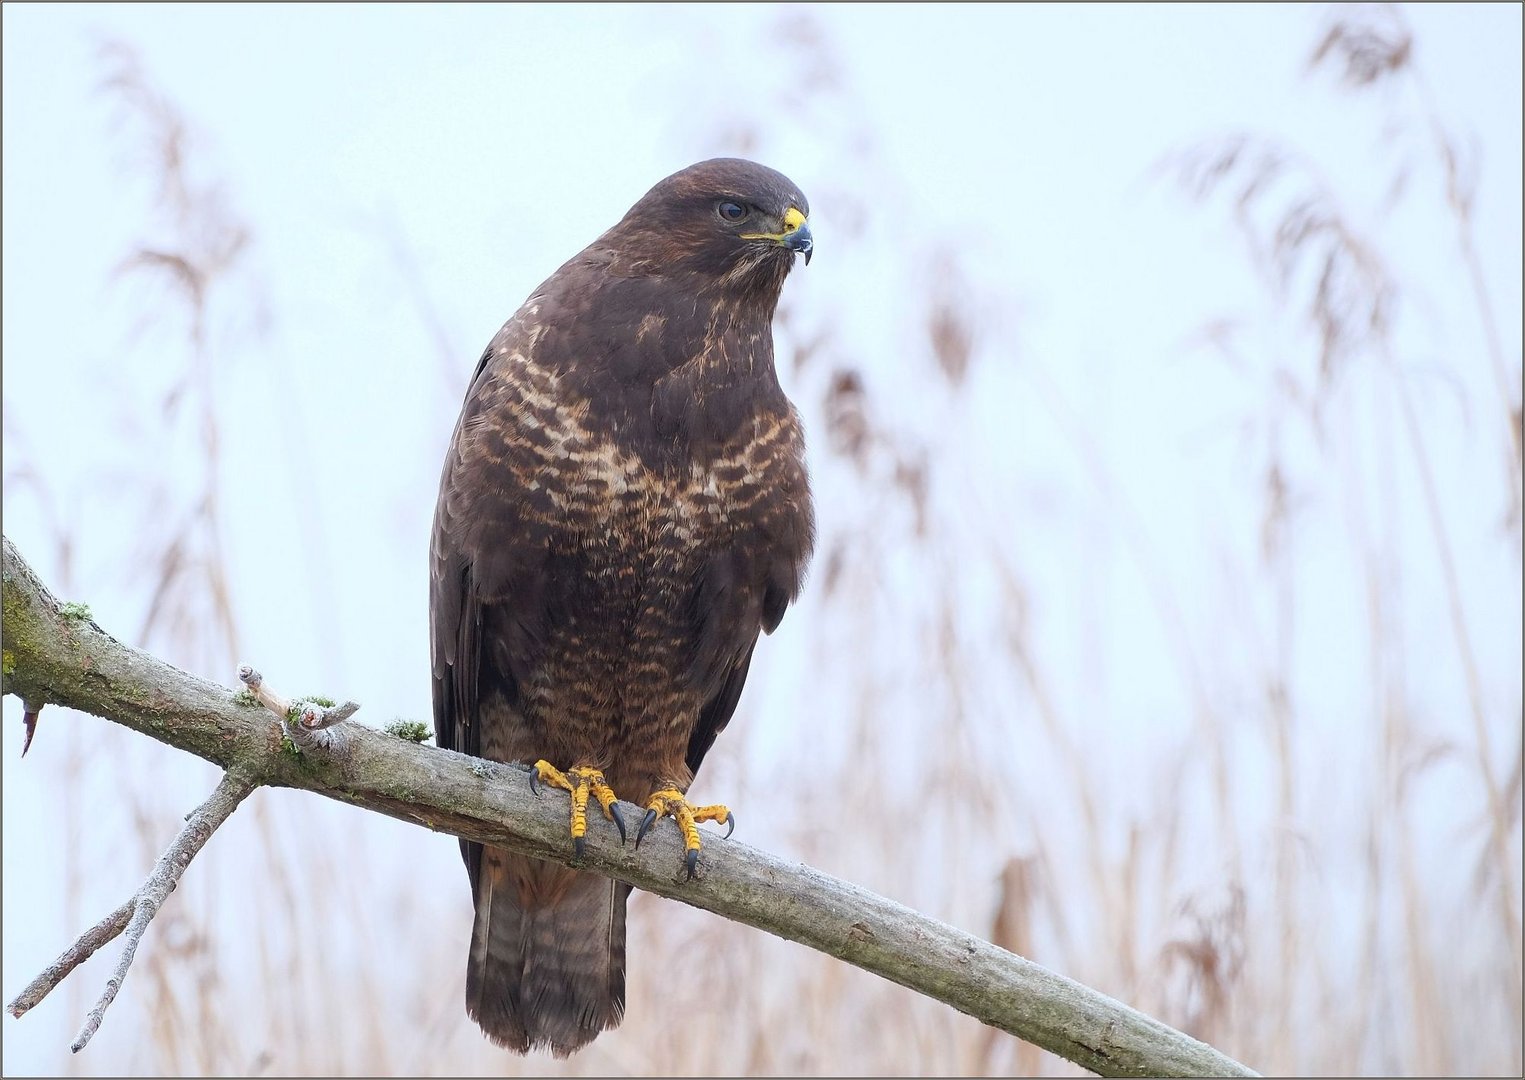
(473, 583)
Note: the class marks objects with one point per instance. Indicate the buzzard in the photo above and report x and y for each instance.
(623, 509)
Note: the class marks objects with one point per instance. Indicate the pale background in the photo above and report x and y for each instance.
(1130, 643)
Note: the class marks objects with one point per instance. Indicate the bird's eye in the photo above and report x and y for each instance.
(733, 211)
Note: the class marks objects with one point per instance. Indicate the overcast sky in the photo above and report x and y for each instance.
(408, 174)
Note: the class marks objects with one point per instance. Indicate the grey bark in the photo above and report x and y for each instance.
(51, 657)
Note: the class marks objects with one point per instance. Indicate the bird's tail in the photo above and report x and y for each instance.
(547, 963)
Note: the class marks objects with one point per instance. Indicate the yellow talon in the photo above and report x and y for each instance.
(671, 801)
(580, 781)
(605, 796)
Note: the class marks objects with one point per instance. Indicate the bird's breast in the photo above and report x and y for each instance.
(589, 486)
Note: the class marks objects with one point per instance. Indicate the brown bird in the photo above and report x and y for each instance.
(624, 508)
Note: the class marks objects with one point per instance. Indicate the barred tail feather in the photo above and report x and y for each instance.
(547, 962)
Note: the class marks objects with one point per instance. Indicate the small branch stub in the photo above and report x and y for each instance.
(306, 720)
(29, 714)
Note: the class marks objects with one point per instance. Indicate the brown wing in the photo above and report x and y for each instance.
(483, 590)
(745, 590)
(717, 713)
(721, 705)
(454, 609)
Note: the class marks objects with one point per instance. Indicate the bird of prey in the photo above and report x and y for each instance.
(624, 508)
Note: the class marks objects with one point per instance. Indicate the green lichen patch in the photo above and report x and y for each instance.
(7, 663)
(412, 730)
(78, 612)
(246, 698)
(295, 710)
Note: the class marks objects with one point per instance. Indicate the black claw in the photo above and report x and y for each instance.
(730, 825)
(691, 860)
(619, 822)
(578, 844)
(534, 787)
(640, 834)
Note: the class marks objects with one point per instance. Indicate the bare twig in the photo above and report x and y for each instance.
(100, 934)
(75, 664)
(132, 918)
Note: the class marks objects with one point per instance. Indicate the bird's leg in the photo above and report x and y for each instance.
(581, 782)
(672, 801)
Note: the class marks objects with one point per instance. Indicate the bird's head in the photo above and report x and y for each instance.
(732, 224)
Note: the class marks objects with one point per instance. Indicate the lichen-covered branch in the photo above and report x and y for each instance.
(53, 658)
(132, 918)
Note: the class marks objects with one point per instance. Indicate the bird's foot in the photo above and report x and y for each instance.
(581, 781)
(671, 801)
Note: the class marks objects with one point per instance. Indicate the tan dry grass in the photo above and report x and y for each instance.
(296, 948)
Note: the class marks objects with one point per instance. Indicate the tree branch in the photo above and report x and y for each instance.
(55, 657)
(134, 916)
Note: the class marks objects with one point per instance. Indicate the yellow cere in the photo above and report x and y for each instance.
(793, 219)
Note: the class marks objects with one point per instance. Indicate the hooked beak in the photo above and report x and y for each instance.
(796, 235)
(800, 240)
